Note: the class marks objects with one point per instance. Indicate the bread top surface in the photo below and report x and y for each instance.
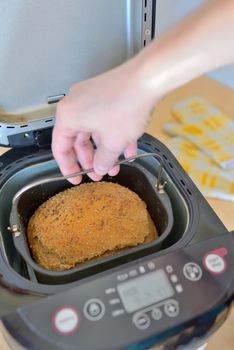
(86, 221)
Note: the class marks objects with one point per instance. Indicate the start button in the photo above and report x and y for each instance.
(65, 320)
(214, 263)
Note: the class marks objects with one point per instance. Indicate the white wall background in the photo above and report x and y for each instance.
(171, 11)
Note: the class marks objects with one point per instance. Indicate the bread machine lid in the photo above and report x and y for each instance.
(46, 46)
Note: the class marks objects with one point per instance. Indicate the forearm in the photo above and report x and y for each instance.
(202, 42)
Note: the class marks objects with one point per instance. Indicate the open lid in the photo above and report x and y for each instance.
(46, 46)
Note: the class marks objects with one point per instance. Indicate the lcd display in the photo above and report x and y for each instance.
(145, 290)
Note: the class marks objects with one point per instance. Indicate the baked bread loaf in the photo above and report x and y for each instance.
(86, 222)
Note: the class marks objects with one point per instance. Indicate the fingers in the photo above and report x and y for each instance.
(114, 171)
(104, 159)
(130, 151)
(97, 140)
(67, 148)
(85, 152)
(65, 155)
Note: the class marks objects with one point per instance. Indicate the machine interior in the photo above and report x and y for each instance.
(44, 169)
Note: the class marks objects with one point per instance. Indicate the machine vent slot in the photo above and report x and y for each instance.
(152, 148)
(148, 7)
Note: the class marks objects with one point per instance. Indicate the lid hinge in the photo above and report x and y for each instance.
(55, 98)
(40, 138)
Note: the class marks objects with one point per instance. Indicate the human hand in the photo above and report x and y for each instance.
(113, 109)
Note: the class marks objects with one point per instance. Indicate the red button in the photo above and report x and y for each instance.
(220, 251)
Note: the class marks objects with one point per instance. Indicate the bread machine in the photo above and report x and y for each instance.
(172, 294)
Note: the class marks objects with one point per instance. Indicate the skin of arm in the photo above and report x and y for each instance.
(114, 108)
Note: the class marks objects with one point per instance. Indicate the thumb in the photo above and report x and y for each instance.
(104, 160)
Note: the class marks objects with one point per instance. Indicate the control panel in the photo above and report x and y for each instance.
(133, 302)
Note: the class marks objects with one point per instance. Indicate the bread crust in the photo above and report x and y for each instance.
(86, 222)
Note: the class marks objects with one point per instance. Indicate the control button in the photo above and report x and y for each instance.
(156, 314)
(169, 268)
(141, 321)
(110, 290)
(114, 301)
(214, 263)
(118, 312)
(94, 309)
(66, 320)
(171, 308)
(142, 269)
(122, 277)
(174, 278)
(179, 288)
(192, 271)
(133, 273)
(151, 265)
(220, 251)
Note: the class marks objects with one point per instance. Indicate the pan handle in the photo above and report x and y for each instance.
(15, 228)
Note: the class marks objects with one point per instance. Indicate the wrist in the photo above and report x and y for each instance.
(162, 67)
(144, 79)
(198, 44)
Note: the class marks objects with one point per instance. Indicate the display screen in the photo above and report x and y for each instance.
(145, 290)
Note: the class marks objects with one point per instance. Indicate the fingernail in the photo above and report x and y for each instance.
(75, 181)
